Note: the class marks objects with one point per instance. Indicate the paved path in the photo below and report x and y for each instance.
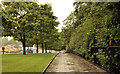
(66, 62)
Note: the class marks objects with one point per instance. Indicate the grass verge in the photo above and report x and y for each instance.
(26, 63)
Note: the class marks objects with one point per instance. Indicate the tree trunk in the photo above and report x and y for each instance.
(42, 48)
(37, 47)
(45, 48)
(49, 50)
(24, 52)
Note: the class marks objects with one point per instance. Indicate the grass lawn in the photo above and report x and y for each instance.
(26, 63)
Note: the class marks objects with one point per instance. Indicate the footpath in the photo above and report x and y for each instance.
(70, 63)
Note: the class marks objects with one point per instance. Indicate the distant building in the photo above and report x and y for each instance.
(10, 48)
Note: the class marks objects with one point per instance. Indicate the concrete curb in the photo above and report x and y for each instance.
(43, 72)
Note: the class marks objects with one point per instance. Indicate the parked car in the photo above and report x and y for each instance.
(29, 51)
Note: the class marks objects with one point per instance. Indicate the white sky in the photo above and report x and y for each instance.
(61, 9)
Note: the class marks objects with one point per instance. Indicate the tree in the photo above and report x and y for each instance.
(45, 23)
(95, 25)
(12, 41)
(15, 20)
(4, 41)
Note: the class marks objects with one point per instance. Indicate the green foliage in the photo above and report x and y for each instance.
(29, 22)
(17, 20)
(94, 25)
(4, 41)
(14, 42)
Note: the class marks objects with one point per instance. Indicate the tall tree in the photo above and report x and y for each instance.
(44, 23)
(96, 25)
(15, 20)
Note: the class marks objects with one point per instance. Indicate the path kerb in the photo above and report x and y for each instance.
(43, 72)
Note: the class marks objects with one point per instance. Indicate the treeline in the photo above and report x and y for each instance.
(4, 41)
(93, 32)
(29, 22)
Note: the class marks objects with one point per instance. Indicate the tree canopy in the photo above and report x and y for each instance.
(28, 22)
(94, 24)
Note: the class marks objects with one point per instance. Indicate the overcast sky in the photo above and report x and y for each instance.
(61, 9)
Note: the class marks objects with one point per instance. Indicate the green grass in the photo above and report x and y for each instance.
(26, 63)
